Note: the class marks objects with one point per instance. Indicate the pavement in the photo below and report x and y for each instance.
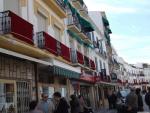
(106, 111)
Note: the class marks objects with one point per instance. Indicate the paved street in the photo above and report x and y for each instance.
(106, 111)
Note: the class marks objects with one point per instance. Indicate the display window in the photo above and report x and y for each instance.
(7, 97)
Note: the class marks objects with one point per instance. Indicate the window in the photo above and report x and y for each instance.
(93, 36)
(12, 5)
(57, 32)
(42, 22)
(86, 51)
(104, 67)
(79, 47)
(100, 64)
(96, 63)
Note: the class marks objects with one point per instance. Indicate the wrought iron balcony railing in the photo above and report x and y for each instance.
(10, 23)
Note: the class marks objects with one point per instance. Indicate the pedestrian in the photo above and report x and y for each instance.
(132, 101)
(109, 98)
(147, 98)
(145, 107)
(45, 105)
(74, 103)
(140, 100)
(61, 105)
(83, 107)
(32, 107)
(113, 98)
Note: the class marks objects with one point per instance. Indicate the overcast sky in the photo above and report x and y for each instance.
(130, 24)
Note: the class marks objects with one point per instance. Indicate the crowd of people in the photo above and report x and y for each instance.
(135, 101)
(59, 104)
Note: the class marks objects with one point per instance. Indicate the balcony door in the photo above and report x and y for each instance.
(41, 22)
(12, 5)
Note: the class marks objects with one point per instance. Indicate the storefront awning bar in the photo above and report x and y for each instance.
(18, 55)
(65, 72)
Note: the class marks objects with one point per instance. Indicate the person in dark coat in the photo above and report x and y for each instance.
(132, 101)
(61, 105)
(113, 98)
(140, 100)
(147, 98)
(74, 103)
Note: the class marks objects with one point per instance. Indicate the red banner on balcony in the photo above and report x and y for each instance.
(92, 64)
(20, 28)
(50, 43)
(80, 58)
(65, 52)
(98, 78)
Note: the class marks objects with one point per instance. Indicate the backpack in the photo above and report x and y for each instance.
(147, 99)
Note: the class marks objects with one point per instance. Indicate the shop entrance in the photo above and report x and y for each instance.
(23, 96)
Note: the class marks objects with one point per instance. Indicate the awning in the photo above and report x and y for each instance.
(76, 36)
(105, 21)
(87, 26)
(65, 72)
(18, 55)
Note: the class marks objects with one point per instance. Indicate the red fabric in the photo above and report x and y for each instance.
(65, 52)
(50, 44)
(92, 64)
(80, 58)
(22, 29)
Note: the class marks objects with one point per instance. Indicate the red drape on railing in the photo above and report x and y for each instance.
(22, 29)
(80, 58)
(92, 64)
(50, 43)
(65, 52)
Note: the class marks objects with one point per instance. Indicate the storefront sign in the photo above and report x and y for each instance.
(88, 78)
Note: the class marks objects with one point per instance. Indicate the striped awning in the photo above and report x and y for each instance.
(64, 72)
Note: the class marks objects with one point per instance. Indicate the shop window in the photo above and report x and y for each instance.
(7, 98)
(62, 81)
(44, 78)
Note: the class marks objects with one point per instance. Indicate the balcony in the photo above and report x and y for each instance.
(73, 24)
(16, 34)
(78, 3)
(86, 37)
(77, 57)
(92, 65)
(58, 6)
(47, 42)
(10, 23)
(65, 52)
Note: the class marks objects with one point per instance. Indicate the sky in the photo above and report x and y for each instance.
(130, 24)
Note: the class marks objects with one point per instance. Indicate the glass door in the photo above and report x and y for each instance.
(7, 96)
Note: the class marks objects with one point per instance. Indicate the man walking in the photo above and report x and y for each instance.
(44, 105)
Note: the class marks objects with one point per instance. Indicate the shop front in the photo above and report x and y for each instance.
(16, 76)
(56, 78)
(87, 82)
